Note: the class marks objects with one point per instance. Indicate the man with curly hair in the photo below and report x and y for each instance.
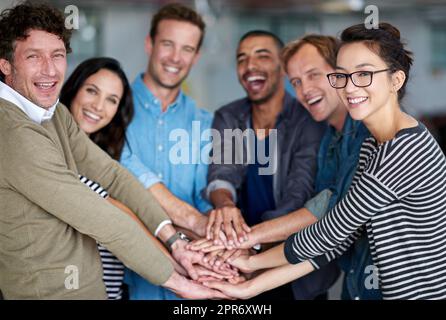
(49, 220)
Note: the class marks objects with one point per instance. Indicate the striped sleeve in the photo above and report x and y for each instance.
(332, 235)
(96, 187)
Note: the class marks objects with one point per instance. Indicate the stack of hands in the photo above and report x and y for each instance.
(218, 263)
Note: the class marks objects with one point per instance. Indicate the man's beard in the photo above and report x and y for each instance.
(265, 98)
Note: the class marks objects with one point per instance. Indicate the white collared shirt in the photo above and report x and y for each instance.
(33, 111)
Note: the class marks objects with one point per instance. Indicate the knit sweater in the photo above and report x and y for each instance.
(50, 221)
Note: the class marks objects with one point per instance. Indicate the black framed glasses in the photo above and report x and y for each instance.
(360, 79)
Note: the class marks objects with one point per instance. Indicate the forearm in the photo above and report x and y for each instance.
(158, 244)
(271, 258)
(277, 277)
(181, 213)
(129, 191)
(279, 229)
(221, 198)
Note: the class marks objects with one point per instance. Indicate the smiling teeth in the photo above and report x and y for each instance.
(92, 115)
(45, 85)
(356, 100)
(314, 100)
(172, 69)
(255, 78)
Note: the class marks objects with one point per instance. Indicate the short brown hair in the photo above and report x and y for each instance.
(179, 12)
(16, 22)
(327, 46)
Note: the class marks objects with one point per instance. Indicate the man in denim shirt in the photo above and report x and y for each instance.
(163, 148)
(307, 62)
(338, 152)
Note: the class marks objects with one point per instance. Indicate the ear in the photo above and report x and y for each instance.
(398, 78)
(148, 45)
(5, 67)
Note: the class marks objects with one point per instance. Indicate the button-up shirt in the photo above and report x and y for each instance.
(167, 146)
(33, 111)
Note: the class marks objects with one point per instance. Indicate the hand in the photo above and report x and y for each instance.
(204, 245)
(191, 260)
(187, 258)
(239, 290)
(230, 220)
(213, 262)
(242, 262)
(191, 289)
(207, 273)
(216, 255)
(220, 257)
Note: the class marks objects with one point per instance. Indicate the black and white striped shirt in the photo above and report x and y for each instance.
(113, 269)
(399, 195)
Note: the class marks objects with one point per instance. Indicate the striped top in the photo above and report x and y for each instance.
(113, 269)
(398, 195)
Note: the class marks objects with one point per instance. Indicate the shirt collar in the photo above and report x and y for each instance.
(148, 98)
(33, 111)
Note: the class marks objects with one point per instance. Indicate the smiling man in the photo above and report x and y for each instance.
(161, 108)
(284, 132)
(49, 220)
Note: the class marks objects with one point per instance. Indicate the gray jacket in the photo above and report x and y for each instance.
(298, 137)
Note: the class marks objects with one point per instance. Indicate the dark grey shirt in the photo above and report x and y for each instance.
(298, 137)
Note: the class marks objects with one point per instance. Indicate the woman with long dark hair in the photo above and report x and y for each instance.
(99, 97)
(106, 126)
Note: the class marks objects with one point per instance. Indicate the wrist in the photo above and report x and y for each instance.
(221, 198)
(254, 237)
(174, 282)
(250, 263)
(177, 241)
(199, 224)
(227, 203)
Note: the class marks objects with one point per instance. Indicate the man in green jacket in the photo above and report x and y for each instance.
(49, 220)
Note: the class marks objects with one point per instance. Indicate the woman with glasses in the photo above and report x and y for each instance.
(398, 194)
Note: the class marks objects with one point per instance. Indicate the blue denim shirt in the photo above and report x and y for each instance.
(337, 161)
(166, 147)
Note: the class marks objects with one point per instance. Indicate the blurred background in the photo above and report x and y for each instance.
(117, 28)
